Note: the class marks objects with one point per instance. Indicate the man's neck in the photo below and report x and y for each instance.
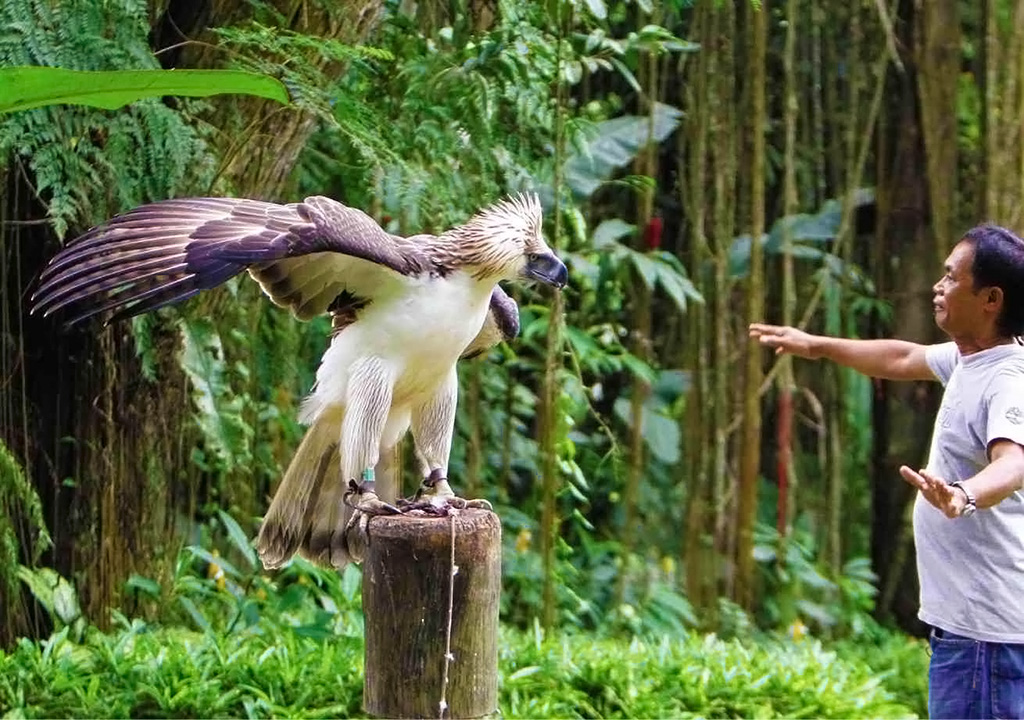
(971, 345)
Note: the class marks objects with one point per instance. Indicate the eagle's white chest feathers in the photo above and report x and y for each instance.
(417, 334)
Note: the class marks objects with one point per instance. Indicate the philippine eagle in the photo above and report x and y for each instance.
(404, 310)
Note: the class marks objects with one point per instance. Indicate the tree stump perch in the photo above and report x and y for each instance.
(407, 573)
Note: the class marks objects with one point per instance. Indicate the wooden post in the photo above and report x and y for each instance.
(407, 593)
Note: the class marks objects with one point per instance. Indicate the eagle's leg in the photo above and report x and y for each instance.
(368, 402)
(432, 427)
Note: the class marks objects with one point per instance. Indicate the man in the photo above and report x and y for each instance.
(969, 513)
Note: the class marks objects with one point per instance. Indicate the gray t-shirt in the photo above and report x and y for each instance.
(972, 568)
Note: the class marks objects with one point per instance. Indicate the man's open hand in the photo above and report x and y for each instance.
(785, 339)
(936, 491)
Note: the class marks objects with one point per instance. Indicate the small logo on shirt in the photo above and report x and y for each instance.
(1015, 415)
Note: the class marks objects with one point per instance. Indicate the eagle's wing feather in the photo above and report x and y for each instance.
(302, 254)
(501, 324)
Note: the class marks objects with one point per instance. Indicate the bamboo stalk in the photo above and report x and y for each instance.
(553, 356)
(787, 383)
(645, 165)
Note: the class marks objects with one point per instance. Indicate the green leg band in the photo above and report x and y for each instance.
(368, 475)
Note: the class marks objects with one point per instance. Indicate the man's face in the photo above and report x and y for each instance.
(957, 303)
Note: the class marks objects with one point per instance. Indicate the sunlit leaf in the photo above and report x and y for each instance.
(647, 268)
(597, 8)
(143, 584)
(23, 88)
(610, 231)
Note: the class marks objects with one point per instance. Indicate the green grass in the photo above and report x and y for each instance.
(264, 671)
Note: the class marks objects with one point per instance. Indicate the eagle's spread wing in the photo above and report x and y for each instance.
(501, 324)
(304, 255)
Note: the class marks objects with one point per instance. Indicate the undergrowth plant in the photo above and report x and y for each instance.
(245, 644)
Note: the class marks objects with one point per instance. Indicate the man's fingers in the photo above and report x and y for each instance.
(913, 478)
(760, 330)
(936, 484)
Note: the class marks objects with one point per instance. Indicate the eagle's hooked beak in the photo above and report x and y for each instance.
(546, 268)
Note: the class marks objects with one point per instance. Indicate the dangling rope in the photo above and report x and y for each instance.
(448, 657)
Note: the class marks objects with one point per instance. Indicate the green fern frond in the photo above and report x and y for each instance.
(18, 499)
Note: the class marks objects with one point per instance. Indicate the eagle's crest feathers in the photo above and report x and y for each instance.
(496, 241)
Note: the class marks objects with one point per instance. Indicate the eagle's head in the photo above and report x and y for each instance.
(505, 241)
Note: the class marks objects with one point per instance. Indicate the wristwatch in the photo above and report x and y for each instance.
(971, 505)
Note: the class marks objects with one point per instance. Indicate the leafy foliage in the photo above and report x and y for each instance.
(614, 144)
(219, 409)
(427, 125)
(293, 646)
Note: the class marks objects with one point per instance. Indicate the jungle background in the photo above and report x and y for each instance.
(690, 525)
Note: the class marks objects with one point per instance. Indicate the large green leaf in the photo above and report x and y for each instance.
(27, 87)
(808, 233)
(611, 231)
(661, 433)
(615, 144)
(655, 268)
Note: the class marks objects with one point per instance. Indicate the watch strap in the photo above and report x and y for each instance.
(972, 503)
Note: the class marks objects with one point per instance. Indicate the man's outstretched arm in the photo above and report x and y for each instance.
(889, 359)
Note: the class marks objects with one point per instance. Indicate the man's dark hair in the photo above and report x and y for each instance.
(999, 262)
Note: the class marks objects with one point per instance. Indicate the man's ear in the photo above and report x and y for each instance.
(994, 296)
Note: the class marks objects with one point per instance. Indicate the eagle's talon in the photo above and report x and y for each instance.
(436, 497)
(465, 504)
(362, 498)
(421, 507)
(368, 502)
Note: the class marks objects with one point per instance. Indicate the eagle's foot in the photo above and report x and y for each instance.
(436, 497)
(362, 498)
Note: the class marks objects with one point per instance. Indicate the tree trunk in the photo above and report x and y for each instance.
(431, 590)
(698, 550)
(750, 450)
(645, 166)
(937, 45)
(259, 139)
(551, 424)
(723, 134)
(904, 412)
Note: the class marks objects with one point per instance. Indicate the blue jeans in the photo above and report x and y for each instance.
(974, 679)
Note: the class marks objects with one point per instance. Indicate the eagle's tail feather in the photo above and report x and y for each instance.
(325, 543)
(307, 514)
